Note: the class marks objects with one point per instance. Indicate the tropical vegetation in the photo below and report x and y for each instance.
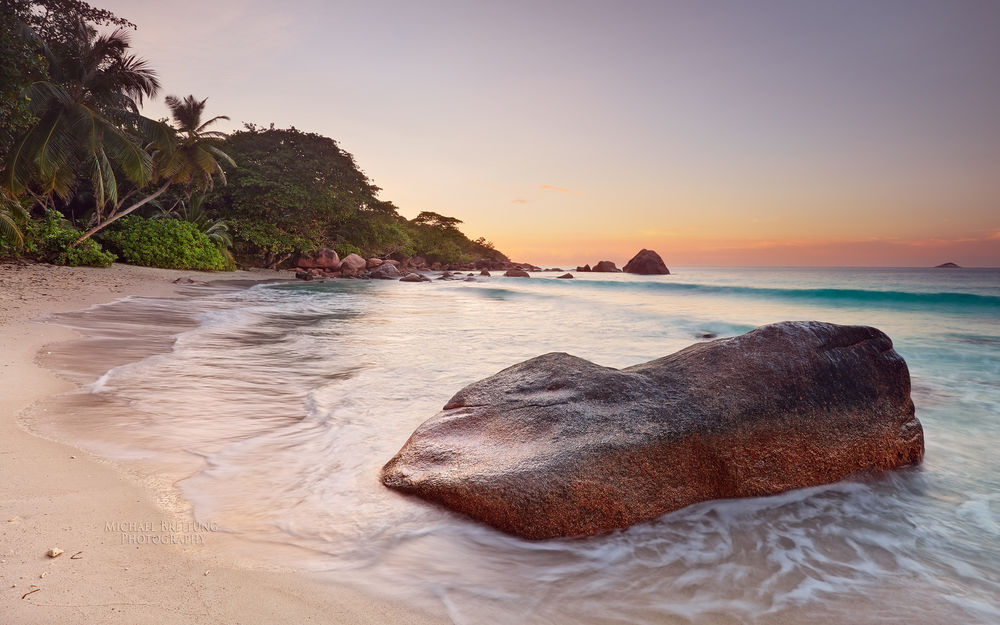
(82, 168)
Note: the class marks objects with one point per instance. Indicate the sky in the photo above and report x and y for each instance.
(772, 132)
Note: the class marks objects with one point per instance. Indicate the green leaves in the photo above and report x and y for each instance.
(72, 138)
(88, 124)
(169, 243)
(295, 191)
(13, 216)
(53, 238)
(197, 157)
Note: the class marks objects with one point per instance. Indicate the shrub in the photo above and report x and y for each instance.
(264, 244)
(343, 249)
(51, 240)
(168, 243)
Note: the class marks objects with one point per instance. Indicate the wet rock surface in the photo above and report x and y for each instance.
(560, 446)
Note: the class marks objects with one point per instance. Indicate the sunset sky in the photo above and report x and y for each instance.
(788, 132)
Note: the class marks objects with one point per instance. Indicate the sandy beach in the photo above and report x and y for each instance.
(55, 496)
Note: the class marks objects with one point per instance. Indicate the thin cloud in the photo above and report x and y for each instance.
(519, 200)
(549, 187)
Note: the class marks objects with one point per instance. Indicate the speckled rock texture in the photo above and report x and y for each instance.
(559, 446)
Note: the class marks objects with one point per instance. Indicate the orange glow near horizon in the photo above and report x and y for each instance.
(778, 133)
(969, 252)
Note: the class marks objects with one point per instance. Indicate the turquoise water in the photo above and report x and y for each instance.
(278, 405)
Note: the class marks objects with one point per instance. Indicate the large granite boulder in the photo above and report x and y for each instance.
(352, 263)
(606, 266)
(560, 446)
(323, 258)
(385, 271)
(647, 263)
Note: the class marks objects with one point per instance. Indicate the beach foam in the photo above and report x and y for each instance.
(281, 403)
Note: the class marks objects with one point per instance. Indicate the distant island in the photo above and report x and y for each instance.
(948, 266)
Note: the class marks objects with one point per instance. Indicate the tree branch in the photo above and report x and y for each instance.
(115, 217)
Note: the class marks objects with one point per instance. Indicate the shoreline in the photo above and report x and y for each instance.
(55, 495)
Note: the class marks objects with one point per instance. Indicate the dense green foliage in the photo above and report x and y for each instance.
(72, 140)
(51, 238)
(295, 191)
(27, 28)
(193, 210)
(168, 243)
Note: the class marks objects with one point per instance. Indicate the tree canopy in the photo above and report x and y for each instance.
(77, 154)
(294, 191)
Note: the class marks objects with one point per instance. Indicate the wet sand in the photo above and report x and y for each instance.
(54, 495)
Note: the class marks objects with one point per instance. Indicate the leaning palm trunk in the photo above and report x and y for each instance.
(117, 214)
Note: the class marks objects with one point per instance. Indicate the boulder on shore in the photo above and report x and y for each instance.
(606, 266)
(352, 263)
(323, 258)
(385, 272)
(559, 446)
(647, 263)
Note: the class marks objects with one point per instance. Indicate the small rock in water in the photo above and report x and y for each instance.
(54, 552)
(565, 276)
(516, 273)
(414, 277)
(707, 335)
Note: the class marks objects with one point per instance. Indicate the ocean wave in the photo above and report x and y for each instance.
(825, 296)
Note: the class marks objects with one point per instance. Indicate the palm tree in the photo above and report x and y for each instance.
(88, 122)
(195, 160)
(191, 157)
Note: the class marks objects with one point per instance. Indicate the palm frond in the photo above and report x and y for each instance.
(221, 155)
(12, 216)
(135, 162)
(104, 178)
(9, 230)
(186, 112)
(205, 125)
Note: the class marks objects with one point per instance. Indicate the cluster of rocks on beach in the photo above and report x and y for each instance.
(326, 263)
